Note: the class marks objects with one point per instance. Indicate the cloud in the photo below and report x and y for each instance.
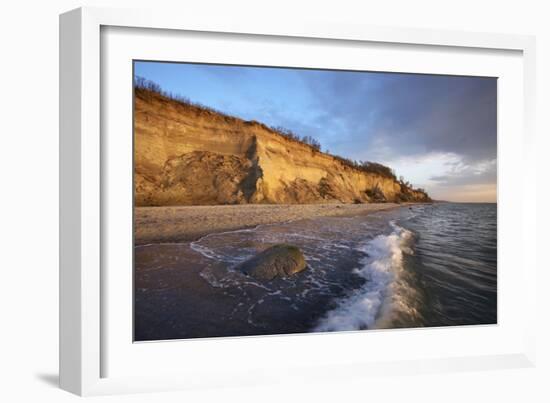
(438, 131)
(404, 114)
(483, 172)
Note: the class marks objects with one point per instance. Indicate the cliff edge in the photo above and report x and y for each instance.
(190, 155)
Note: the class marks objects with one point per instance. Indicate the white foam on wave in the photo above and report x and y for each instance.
(381, 270)
(210, 253)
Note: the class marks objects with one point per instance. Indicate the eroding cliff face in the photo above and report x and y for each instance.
(186, 155)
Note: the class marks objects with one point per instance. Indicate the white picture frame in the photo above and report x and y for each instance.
(87, 343)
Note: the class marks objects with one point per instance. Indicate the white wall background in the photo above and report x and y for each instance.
(29, 187)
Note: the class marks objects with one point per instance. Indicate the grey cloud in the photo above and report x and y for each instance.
(411, 114)
(484, 173)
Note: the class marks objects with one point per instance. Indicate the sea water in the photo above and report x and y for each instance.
(423, 265)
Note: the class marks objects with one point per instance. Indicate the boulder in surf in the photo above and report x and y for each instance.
(280, 260)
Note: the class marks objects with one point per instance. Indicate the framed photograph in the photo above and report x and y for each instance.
(242, 201)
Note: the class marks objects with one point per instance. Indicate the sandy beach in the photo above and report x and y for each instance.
(188, 223)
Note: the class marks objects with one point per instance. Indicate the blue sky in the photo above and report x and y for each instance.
(439, 132)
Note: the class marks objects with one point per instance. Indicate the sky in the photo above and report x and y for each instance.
(439, 132)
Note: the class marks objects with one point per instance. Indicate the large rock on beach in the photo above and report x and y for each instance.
(277, 261)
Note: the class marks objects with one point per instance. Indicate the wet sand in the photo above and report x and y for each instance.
(189, 223)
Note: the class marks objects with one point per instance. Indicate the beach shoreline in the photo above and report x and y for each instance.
(172, 224)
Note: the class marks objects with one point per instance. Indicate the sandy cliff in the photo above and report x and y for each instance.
(187, 155)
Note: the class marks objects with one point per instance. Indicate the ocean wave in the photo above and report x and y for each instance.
(375, 300)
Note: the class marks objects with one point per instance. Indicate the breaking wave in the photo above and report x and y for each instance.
(385, 289)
